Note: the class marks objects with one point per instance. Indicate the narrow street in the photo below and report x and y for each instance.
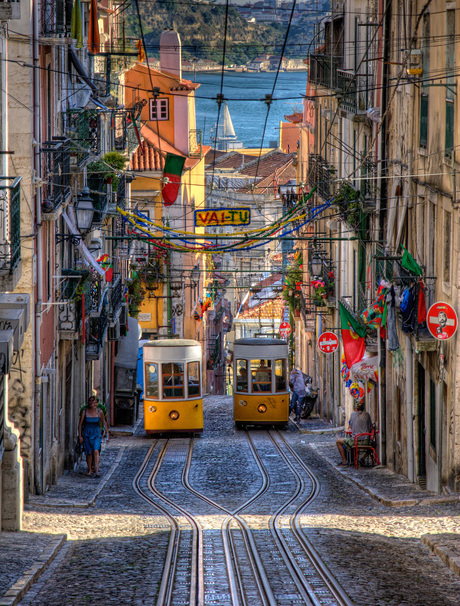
(233, 513)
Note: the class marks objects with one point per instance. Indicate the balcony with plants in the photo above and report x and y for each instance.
(96, 330)
(292, 288)
(100, 175)
(83, 129)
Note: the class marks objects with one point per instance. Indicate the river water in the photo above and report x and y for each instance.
(245, 96)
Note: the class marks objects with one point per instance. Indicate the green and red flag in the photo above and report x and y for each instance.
(106, 266)
(171, 178)
(352, 337)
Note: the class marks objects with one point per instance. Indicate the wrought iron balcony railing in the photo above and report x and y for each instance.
(10, 234)
(195, 144)
(100, 196)
(116, 298)
(56, 158)
(96, 331)
(323, 70)
(322, 175)
(70, 303)
(121, 192)
(55, 18)
(353, 87)
(83, 128)
(10, 9)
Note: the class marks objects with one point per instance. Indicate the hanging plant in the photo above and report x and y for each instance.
(109, 168)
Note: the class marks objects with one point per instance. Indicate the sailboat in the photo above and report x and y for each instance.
(226, 138)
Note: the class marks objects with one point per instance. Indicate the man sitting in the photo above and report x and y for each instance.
(360, 422)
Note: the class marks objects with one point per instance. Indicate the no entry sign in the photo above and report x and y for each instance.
(442, 321)
(328, 342)
(285, 329)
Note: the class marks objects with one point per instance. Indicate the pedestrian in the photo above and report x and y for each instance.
(89, 433)
(360, 422)
(298, 393)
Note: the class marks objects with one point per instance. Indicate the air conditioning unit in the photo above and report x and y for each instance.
(6, 350)
(14, 319)
(414, 63)
(124, 314)
(114, 332)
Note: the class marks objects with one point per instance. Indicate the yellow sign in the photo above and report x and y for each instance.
(211, 217)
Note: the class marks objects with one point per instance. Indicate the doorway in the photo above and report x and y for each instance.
(421, 447)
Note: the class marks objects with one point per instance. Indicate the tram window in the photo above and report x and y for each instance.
(193, 373)
(173, 380)
(242, 375)
(151, 380)
(280, 375)
(261, 373)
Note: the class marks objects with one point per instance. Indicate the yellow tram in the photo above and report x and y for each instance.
(172, 386)
(261, 394)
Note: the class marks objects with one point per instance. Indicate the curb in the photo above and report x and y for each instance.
(384, 500)
(443, 552)
(18, 590)
(92, 500)
(326, 431)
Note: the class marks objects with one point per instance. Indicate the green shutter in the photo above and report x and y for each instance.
(423, 120)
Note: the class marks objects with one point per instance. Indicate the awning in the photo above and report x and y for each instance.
(78, 65)
(128, 350)
(366, 369)
(87, 256)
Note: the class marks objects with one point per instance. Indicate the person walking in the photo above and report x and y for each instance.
(297, 385)
(89, 433)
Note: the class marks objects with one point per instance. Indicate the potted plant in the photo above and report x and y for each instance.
(109, 167)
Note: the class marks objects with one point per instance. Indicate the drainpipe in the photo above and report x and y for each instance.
(38, 412)
(409, 409)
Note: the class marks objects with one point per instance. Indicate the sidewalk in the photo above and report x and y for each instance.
(386, 487)
(24, 556)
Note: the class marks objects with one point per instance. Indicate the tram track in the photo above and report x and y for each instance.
(239, 557)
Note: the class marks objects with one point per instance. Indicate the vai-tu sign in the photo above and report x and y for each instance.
(211, 217)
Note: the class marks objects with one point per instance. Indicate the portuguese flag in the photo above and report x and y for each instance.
(171, 178)
(352, 337)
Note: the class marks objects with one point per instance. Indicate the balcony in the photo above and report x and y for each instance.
(96, 331)
(56, 187)
(10, 232)
(100, 196)
(354, 89)
(69, 304)
(10, 9)
(322, 175)
(55, 18)
(323, 70)
(83, 128)
(116, 299)
(195, 143)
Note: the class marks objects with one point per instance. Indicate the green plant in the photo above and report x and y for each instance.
(135, 293)
(109, 167)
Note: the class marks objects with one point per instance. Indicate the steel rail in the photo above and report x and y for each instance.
(333, 585)
(259, 573)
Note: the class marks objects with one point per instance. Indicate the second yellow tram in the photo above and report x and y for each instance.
(261, 393)
(173, 400)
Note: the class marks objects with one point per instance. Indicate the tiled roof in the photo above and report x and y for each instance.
(266, 165)
(265, 310)
(294, 118)
(230, 160)
(275, 174)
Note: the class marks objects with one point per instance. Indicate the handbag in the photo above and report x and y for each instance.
(78, 448)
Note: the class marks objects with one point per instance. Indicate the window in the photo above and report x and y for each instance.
(159, 109)
(447, 247)
(450, 82)
(261, 375)
(151, 380)
(193, 376)
(432, 414)
(423, 120)
(280, 375)
(242, 376)
(425, 44)
(173, 380)
(449, 139)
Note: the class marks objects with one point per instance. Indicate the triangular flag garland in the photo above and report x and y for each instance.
(171, 178)
(106, 266)
(352, 337)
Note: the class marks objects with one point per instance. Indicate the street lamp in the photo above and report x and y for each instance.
(195, 275)
(84, 210)
(316, 264)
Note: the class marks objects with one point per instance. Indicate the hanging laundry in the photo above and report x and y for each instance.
(408, 309)
(393, 341)
(375, 314)
(421, 315)
(409, 263)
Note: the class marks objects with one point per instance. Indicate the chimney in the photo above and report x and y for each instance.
(171, 54)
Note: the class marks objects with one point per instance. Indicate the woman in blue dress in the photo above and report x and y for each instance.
(89, 432)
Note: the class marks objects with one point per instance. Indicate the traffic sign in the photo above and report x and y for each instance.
(285, 329)
(442, 321)
(328, 342)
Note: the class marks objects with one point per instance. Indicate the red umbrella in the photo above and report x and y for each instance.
(93, 29)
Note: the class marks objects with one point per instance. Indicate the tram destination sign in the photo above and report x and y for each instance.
(213, 217)
(328, 342)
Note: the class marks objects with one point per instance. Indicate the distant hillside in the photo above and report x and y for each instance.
(201, 28)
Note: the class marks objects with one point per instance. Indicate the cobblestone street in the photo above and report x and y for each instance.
(375, 537)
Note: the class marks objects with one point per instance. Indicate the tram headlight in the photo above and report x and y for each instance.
(262, 408)
(152, 408)
(174, 415)
(243, 403)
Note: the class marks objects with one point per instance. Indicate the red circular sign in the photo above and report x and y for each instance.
(328, 342)
(442, 321)
(285, 329)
